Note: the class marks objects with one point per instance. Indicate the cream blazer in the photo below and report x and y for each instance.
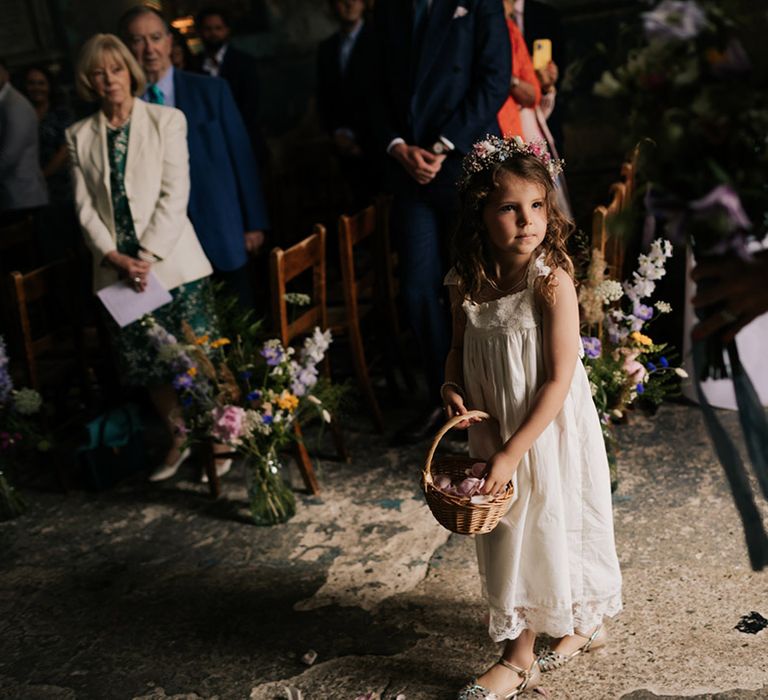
(157, 186)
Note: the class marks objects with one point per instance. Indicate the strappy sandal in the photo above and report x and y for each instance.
(550, 660)
(530, 676)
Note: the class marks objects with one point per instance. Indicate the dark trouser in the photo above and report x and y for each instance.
(422, 222)
(238, 283)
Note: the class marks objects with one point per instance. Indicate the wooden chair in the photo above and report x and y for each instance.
(48, 326)
(286, 265)
(369, 292)
(608, 242)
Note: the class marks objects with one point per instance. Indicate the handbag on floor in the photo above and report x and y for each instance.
(114, 449)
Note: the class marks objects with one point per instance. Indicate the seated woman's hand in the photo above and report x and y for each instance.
(132, 269)
(501, 469)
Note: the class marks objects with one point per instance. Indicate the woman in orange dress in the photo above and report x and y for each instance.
(524, 88)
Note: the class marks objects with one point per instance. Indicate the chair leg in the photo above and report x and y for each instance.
(393, 326)
(209, 463)
(363, 378)
(304, 462)
(338, 441)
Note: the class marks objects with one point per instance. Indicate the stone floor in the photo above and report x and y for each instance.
(149, 592)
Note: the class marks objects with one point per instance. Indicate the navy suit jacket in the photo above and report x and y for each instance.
(451, 83)
(226, 197)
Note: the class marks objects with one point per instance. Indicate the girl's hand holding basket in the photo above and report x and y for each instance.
(461, 514)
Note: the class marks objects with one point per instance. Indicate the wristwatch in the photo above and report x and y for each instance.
(439, 148)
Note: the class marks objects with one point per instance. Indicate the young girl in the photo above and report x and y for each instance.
(550, 566)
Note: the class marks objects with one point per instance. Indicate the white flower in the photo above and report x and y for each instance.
(680, 372)
(542, 270)
(316, 346)
(593, 388)
(662, 307)
(326, 416)
(27, 401)
(609, 291)
(607, 86)
(616, 413)
(314, 400)
(297, 299)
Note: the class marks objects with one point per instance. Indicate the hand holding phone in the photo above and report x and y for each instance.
(542, 53)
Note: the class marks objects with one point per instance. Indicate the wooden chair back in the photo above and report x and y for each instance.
(286, 265)
(609, 242)
(46, 316)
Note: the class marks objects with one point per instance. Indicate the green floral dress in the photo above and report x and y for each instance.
(192, 302)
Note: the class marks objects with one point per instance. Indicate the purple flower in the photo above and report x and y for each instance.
(651, 366)
(592, 346)
(267, 419)
(643, 312)
(182, 381)
(273, 355)
(639, 388)
(724, 197)
(254, 395)
(664, 362)
(674, 20)
(186, 401)
(6, 385)
(246, 374)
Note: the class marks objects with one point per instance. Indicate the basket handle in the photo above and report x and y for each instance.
(453, 422)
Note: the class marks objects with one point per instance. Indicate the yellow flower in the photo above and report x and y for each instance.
(220, 342)
(640, 339)
(192, 371)
(202, 340)
(288, 401)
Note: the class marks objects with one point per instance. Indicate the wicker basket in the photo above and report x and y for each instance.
(457, 513)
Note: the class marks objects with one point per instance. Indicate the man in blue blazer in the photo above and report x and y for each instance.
(443, 72)
(226, 203)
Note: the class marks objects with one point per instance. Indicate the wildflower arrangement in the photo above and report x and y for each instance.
(695, 90)
(624, 365)
(248, 398)
(18, 433)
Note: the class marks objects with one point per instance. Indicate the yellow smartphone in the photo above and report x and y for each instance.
(542, 53)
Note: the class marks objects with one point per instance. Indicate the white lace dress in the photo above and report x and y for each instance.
(550, 565)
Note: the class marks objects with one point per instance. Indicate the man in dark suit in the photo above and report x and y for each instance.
(239, 69)
(443, 70)
(344, 70)
(226, 204)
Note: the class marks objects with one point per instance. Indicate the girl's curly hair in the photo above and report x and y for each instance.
(471, 249)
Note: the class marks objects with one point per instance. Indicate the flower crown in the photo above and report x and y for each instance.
(493, 150)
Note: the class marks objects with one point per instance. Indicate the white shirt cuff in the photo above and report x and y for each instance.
(448, 144)
(393, 143)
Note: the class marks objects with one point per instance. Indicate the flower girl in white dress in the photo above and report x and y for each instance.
(550, 566)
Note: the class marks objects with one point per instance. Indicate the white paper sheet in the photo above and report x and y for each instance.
(126, 305)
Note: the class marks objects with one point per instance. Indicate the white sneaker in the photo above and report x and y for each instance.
(222, 467)
(166, 471)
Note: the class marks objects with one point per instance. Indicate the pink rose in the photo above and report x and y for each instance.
(228, 424)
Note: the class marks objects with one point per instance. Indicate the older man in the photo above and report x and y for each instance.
(22, 186)
(226, 204)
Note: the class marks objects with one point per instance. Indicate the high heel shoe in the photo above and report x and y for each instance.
(222, 467)
(531, 677)
(550, 660)
(166, 471)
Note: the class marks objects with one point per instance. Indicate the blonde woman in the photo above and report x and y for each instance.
(131, 179)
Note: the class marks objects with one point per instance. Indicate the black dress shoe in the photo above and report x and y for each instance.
(425, 426)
